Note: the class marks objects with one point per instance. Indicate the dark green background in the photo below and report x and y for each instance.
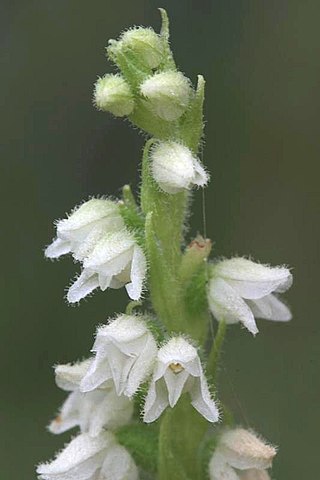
(261, 60)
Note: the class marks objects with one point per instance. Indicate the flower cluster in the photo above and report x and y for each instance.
(156, 365)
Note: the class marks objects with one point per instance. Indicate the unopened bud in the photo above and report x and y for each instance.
(242, 455)
(168, 94)
(174, 168)
(145, 42)
(244, 450)
(194, 256)
(112, 94)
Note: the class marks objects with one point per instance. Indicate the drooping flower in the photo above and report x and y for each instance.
(241, 455)
(125, 352)
(167, 94)
(115, 261)
(175, 168)
(80, 231)
(241, 290)
(87, 458)
(178, 370)
(92, 411)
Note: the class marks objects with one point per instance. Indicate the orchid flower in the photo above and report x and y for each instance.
(241, 290)
(178, 370)
(125, 352)
(87, 458)
(92, 411)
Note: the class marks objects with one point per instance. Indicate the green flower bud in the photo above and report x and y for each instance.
(168, 94)
(112, 94)
(146, 43)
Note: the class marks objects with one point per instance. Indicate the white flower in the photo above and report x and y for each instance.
(241, 455)
(174, 168)
(115, 261)
(178, 370)
(84, 227)
(167, 93)
(241, 290)
(112, 94)
(125, 352)
(87, 458)
(92, 411)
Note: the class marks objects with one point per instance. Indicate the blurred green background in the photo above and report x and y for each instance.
(261, 60)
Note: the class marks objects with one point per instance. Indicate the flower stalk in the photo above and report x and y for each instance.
(144, 401)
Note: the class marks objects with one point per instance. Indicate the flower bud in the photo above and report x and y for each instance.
(168, 94)
(194, 256)
(145, 43)
(112, 94)
(174, 168)
(241, 455)
(244, 450)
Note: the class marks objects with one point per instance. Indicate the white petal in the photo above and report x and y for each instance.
(57, 248)
(177, 350)
(104, 282)
(104, 409)
(252, 280)
(96, 211)
(226, 304)
(119, 465)
(219, 469)
(68, 377)
(112, 254)
(270, 308)
(123, 331)
(137, 275)
(69, 414)
(97, 375)
(142, 366)
(175, 383)
(85, 284)
(120, 365)
(156, 401)
(79, 460)
(82, 249)
(202, 401)
(200, 176)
